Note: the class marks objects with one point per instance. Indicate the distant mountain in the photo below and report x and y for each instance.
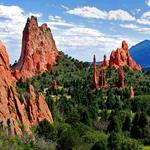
(141, 53)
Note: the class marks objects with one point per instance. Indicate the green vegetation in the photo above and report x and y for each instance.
(85, 119)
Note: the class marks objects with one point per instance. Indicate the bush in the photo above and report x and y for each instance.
(46, 131)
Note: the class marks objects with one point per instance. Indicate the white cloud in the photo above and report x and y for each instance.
(120, 15)
(146, 15)
(55, 21)
(147, 2)
(12, 22)
(65, 7)
(93, 12)
(88, 12)
(145, 19)
(138, 10)
(144, 30)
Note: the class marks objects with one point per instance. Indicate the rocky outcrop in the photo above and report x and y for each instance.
(37, 108)
(95, 82)
(101, 78)
(98, 76)
(121, 57)
(104, 63)
(13, 111)
(120, 78)
(131, 92)
(10, 107)
(38, 53)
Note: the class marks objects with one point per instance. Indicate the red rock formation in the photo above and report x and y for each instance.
(104, 63)
(37, 108)
(10, 107)
(13, 112)
(131, 92)
(120, 78)
(98, 76)
(101, 78)
(39, 51)
(95, 82)
(121, 57)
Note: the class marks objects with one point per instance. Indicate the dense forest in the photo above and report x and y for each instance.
(86, 118)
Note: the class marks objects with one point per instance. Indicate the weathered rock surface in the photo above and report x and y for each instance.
(120, 78)
(98, 76)
(13, 112)
(101, 78)
(37, 108)
(94, 82)
(104, 63)
(9, 103)
(38, 53)
(121, 57)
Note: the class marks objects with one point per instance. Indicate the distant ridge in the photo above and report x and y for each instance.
(141, 54)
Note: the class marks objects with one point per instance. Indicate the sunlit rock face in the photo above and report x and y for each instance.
(121, 57)
(120, 78)
(14, 112)
(38, 53)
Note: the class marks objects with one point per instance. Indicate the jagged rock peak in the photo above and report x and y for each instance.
(121, 57)
(104, 63)
(38, 53)
(124, 45)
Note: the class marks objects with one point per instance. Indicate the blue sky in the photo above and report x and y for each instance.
(80, 28)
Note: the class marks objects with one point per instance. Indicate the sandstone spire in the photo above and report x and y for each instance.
(101, 78)
(95, 83)
(104, 63)
(38, 53)
(120, 78)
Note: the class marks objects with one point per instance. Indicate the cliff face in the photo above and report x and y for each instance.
(38, 53)
(13, 112)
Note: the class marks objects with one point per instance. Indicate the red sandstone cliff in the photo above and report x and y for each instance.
(38, 53)
(13, 112)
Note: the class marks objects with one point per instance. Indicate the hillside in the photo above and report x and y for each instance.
(85, 118)
(141, 53)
